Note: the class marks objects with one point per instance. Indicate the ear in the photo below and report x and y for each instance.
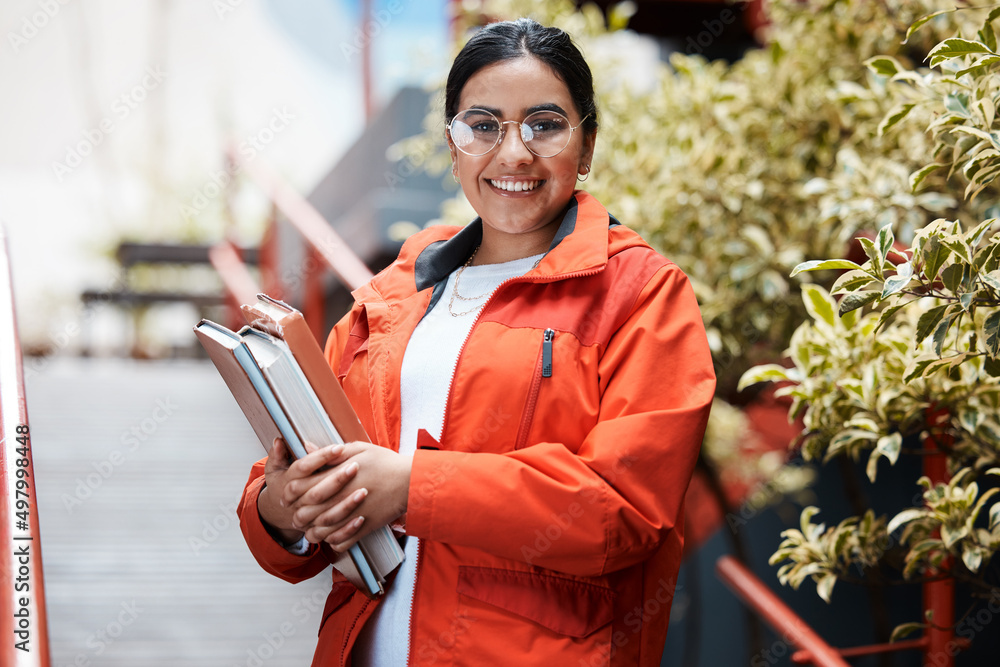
(451, 147)
(587, 153)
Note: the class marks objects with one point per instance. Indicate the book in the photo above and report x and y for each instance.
(272, 387)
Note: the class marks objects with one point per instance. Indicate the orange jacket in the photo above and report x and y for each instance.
(550, 513)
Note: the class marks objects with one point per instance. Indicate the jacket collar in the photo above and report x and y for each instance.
(580, 244)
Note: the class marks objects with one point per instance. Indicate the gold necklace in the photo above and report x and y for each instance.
(456, 295)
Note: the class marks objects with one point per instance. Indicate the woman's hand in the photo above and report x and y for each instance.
(380, 476)
(290, 487)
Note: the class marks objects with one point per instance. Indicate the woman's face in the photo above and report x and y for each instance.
(512, 89)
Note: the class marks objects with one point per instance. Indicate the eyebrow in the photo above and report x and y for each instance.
(548, 106)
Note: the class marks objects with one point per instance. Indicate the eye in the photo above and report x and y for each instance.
(542, 125)
(484, 125)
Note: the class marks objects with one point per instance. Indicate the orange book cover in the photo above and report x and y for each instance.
(283, 321)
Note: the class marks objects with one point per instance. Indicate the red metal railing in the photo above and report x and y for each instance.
(326, 247)
(23, 623)
(756, 595)
(939, 644)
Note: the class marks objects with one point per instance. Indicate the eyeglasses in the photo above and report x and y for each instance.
(545, 133)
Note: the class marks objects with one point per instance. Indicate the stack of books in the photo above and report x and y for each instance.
(277, 372)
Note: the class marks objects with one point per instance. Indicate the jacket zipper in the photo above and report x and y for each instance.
(444, 425)
(543, 369)
(347, 638)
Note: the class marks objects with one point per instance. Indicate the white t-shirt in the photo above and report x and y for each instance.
(425, 380)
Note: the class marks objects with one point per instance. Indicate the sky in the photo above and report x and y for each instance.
(116, 113)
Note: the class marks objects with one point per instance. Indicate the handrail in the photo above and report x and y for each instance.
(330, 247)
(23, 621)
(776, 613)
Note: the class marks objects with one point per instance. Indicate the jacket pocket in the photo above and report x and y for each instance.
(507, 612)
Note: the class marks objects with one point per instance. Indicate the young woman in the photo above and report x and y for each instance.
(537, 384)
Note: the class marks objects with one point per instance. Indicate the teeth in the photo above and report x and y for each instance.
(515, 186)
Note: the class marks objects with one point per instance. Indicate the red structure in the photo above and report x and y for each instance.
(23, 622)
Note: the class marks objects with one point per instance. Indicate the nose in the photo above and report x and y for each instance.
(512, 150)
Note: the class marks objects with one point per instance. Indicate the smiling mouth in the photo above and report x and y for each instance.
(515, 186)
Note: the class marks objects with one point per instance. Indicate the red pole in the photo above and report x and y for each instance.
(756, 595)
(939, 596)
(366, 58)
(22, 599)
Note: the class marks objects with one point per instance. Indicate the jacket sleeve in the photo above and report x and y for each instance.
(271, 555)
(610, 504)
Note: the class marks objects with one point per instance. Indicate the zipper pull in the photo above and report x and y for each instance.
(547, 353)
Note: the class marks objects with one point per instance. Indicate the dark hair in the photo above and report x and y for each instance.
(516, 39)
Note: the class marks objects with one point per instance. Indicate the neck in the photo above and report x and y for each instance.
(498, 247)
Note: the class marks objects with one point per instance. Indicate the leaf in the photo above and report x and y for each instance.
(992, 366)
(951, 535)
(955, 47)
(928, 321)
(894, 116)
(940, 332)
(906, 516)
(992, 279)
(987, 36)
(819, 304)
(916, 25)
(935, 255)
(763, 373)
(917, 177)
(952, 277)
(897, 282)
(981, 63)
(905, 630)
(889, 446)
(856, 300)
(872, 468)
(885, 240)
(851, 281)
(994, 515)
(823, 264)
(972, 556)
(883, 65)
(824, 587)
(869, 247)
(991, 327)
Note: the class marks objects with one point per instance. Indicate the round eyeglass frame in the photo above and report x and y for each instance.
(520, 125)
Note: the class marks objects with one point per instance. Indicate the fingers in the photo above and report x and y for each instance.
(317, 490)
(330, 517)
(316, 459)
(340, 538)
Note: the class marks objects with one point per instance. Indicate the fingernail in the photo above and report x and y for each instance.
(335, 448)
(352, 468)
(357, 522)
(360, 495)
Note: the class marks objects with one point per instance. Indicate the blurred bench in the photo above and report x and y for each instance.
(131, 255)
